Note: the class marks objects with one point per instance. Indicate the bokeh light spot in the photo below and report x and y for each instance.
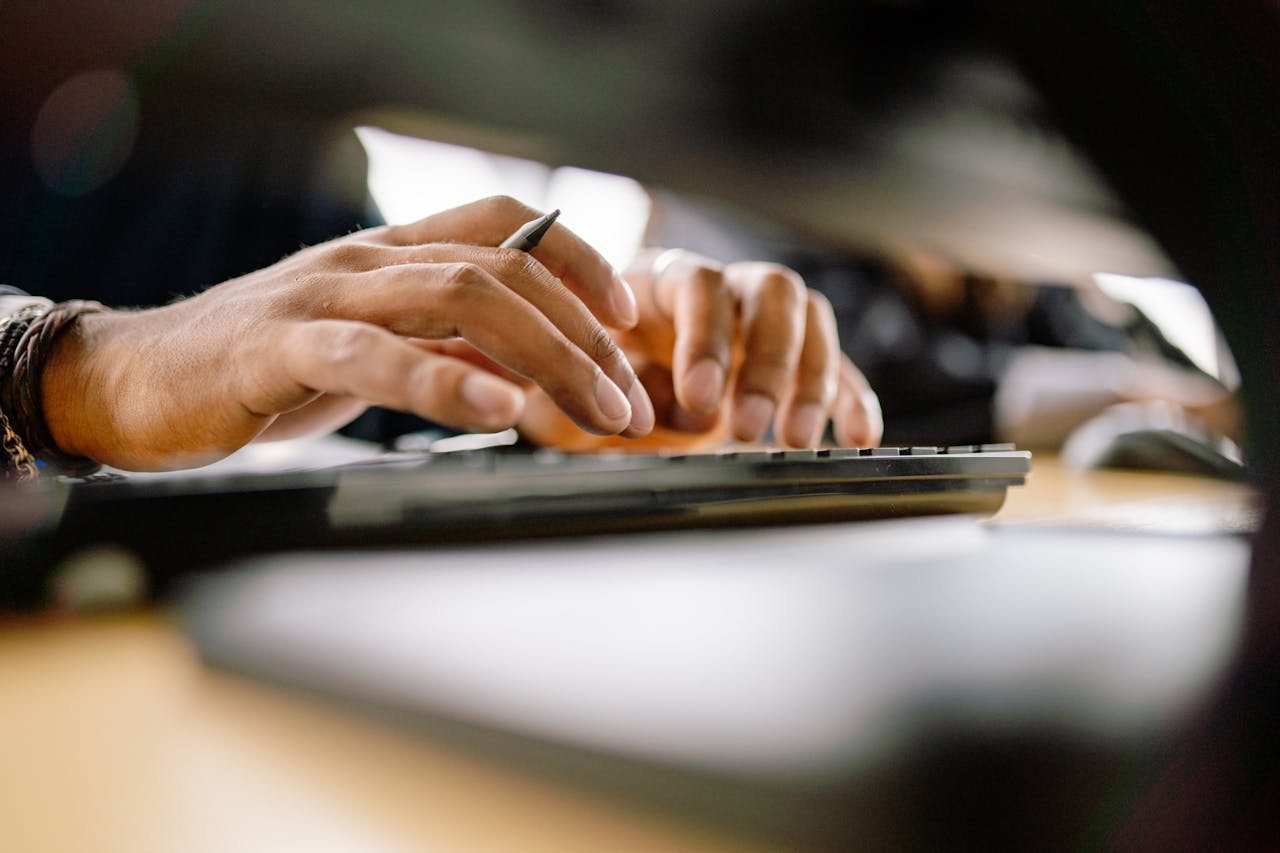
(85, 131)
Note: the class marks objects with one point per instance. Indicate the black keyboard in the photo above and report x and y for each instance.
(552, 492)
(178, 523)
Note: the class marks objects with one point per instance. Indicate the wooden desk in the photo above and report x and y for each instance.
(113, 737)
(1124, 500)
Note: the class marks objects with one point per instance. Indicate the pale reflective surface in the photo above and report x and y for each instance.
(796, 653)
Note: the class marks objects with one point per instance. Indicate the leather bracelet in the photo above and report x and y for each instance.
(12, 327)
(16, 461)
(20, 392)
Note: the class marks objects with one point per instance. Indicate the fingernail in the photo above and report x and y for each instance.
(624, 302)
(490, 396)
(704, 385)
(752, 416)
(806, 425)
(642, 416)
(612, 402)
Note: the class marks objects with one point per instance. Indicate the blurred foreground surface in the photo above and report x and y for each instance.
(115, 738)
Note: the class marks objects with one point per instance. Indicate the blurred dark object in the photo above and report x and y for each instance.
(1153, 436)
(1169, 450)
(868, 120)
(939, 377)
(1203, 80)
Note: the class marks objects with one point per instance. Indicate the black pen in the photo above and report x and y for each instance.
(531, 233)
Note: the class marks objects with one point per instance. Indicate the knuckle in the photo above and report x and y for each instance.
(817, 386)
(503, 205)
(783, 287)
(311, 295)
(768, 373)
(439, 379)
(819, 303)
(773, 361)
(815, 371)
(707, 279)
(600, 345)
(349, 256)
(461, 280)
(512, 263)
(395, 235)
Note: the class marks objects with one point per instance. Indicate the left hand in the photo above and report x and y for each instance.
(310, 341)
(726, 351)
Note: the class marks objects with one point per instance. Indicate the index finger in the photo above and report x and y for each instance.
(566, 255)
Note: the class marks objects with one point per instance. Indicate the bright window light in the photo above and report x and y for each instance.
(410, 178)
(1182, 315)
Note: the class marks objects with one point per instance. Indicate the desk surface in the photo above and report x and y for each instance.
(113, 737)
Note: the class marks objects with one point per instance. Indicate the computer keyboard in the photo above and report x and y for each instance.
(524, 493)
(187, 520)
(503, 493)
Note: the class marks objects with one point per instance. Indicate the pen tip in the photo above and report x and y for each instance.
(543, 226)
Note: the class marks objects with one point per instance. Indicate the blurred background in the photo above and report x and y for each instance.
(989, 280)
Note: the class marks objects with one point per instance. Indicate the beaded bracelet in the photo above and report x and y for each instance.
(26, 339)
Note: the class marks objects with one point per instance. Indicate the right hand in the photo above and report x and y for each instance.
(306, 344)
(726, 350)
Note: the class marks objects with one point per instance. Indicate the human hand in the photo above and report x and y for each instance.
(309, 342)
(726, 351)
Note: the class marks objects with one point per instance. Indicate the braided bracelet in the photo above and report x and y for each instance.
(16, 462)
(21, 365)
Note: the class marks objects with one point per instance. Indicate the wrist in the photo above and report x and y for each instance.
(76, 384)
